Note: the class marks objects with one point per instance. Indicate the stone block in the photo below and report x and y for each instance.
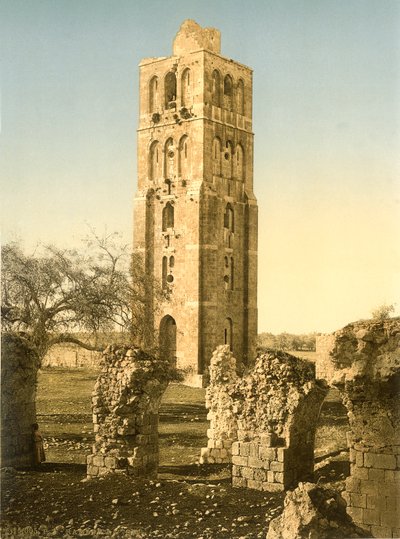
(370, 487)
(277, 466)
(390, 519)
(270, 477)
(380, 460)
(110, 462)
(358, 500)
(260, 475)
(371, 517)
(281, 451)
(353, 485)
(356, 513)
(267, 453)
(240, 482)
(273, 487)
(382, 532)
(360, 473)
(256, 462)
(240, 461)
(245, 449)
(92, 471)
(256, 485)
(247, 473)
(236, 448)
(359, 459)
(236, 471)
(376, 474)
(98, 460)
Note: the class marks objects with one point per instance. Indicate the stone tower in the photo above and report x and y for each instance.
(195, 211)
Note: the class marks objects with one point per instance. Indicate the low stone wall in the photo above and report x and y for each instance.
(272, 412)
(125, 404)
(365, 362)
(19, 369)
(71, 356)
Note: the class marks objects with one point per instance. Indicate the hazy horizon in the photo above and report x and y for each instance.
(326, 118)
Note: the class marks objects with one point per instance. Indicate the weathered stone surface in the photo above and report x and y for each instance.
(195, 218)
(313, 512)
(363, 362)
(267, 418)
(125, 404)
(19, 369)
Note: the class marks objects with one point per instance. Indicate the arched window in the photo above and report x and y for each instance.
(171, 261)
(186, 89)
(164, 272)
(228, 273)
(167, 217)
(154, 161)
(240, 97)
(184, 157)
(153, 95)
(216, 156)
(229, 218)
(227, 160)
(167, 339)
(216, 88)
(169, 155)
(239, 162)
(228, 332)
(228, 92)
(170, 88)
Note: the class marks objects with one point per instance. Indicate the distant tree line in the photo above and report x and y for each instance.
(287, 341)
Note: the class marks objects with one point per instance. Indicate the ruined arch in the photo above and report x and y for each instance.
(153, 94)
(169, 88)
(186, 88)
(216, 88)
(167, 339)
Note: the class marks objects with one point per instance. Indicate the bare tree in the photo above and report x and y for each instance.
(59, 295)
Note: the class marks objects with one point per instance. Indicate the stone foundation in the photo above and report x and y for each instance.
(19, 369)
(125, 403)
(365, 357)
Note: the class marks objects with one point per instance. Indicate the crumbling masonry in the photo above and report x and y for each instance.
(271, 412)
(365, 366)
(125, 404)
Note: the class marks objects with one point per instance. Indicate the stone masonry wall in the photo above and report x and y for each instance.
(71, 356)
(223, 422)
(323, 346)
(273, 411)
(19, 368)
(366, 362)
(125, 404)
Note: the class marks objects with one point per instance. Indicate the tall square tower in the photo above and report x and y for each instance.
(195, 217)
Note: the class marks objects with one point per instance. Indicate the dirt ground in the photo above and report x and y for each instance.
(187, 500)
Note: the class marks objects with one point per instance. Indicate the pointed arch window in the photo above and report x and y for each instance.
(153, 94)
(184, 157)
(240, 97)
(239, 162)
(167, 217)
(154, 161)
(228, 92)
(216, 88)
(170, 88)
(169, 154)
(186, 89)
(227, 161)
(228, 332)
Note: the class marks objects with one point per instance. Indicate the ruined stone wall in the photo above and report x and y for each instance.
(71, 356)
(125, 404)
(366, 368)
(323, 346)
(272, 411)
(19, 368)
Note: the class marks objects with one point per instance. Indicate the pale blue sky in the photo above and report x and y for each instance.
(326, 122)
